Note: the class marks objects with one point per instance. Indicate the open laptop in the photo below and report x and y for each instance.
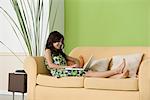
(85, 67)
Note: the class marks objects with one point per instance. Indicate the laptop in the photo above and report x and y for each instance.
(85, 67)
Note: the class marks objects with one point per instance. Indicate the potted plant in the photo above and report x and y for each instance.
(33, 24)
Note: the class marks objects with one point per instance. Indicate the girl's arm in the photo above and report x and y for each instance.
(49, 59)
(74, 60)
(50, 62)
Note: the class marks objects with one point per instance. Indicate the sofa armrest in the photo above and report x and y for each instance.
(30, 67)
(144, 80)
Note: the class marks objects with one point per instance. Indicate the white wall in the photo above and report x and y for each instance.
(6, 33)
(8, 62)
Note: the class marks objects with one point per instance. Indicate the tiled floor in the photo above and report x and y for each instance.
(10, 97)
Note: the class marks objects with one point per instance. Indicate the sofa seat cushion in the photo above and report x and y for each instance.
(47, 80)
(111, 84)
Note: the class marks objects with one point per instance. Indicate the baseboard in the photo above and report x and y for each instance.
(2, 92)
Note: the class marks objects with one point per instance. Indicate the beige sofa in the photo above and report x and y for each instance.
(41, 86)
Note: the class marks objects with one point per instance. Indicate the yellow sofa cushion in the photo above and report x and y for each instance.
(111, 84)
(47, 80)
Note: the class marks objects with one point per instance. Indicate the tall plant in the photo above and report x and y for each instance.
(33, 24)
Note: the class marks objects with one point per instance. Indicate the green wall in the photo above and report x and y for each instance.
(107, 23)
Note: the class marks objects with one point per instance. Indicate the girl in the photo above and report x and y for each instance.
(56, 60)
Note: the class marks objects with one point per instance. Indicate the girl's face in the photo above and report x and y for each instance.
(58, 45)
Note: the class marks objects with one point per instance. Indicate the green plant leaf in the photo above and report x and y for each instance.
(29, 24)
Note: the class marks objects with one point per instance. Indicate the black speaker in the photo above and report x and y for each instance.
(17, 82)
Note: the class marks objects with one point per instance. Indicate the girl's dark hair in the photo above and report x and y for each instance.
(55, 36)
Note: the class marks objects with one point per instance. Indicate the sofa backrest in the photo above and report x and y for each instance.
(102, 52)
(97, 52)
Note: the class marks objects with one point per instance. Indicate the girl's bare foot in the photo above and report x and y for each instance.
(121, 67)
(125, 73)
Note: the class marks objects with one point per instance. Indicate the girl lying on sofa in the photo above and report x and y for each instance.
(56, 60)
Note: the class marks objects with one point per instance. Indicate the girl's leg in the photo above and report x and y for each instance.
(125, 74)
(101, 74)
(109, 73)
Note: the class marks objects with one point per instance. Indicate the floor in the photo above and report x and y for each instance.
(10, 97)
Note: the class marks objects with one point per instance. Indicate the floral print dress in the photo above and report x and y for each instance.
(62, 72)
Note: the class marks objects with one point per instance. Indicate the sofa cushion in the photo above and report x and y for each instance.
(111, 84)
(47, 80)
(100, 64)
(132, 62)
